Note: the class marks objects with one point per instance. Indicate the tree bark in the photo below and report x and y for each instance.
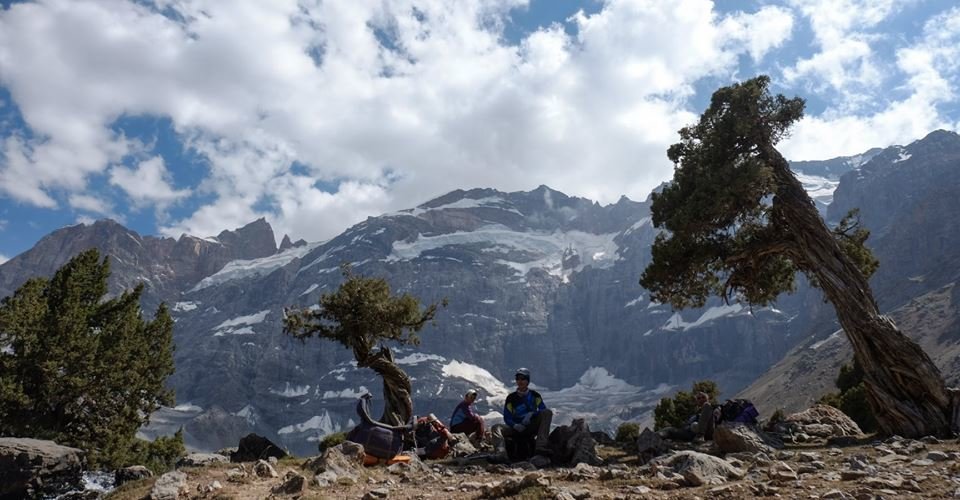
(904, 387)
(398, 405)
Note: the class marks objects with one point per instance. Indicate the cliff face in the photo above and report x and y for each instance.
(536, 279)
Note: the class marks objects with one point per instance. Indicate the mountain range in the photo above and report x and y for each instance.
(536, 279)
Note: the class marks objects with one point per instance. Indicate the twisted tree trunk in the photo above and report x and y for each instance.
(397, 390)
(904, 387)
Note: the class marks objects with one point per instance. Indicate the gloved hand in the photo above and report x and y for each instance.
(526, 418)
(519, 427)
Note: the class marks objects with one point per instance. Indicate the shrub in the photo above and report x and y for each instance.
(331, 440)
(159, 455)
(628, 432)
(674, 412)
(852, 397)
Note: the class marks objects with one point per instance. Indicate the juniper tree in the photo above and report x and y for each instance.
(80, 369)
(737, 223)
(361, 314)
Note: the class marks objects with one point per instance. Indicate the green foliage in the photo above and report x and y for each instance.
(83, 371)
(725, 234)
(628, 432)
(852, 397)
(360, 314)
(159, 455)
(674, 412)
(331, 440)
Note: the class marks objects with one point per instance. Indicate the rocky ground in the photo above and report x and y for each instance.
(892, 468)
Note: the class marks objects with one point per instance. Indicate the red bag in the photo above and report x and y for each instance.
(433, 438)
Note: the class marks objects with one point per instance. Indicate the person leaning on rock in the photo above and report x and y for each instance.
(700, 424)
(524, 416)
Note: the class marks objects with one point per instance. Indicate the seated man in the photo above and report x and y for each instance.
(526, 418)
(700, 424)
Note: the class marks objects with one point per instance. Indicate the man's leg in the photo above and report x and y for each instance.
(542, 425)
(705, 422)
(500, 433)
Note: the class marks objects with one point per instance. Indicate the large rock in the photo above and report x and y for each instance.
(733, 437)
(170, 486)
(132, 473)
(699, 468)
(573, 444)
(200, 459)
(344, 460)
(650, 445)
(254, 447)
(34, 467)
(824, 421)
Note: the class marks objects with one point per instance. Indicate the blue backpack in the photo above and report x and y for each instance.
(738, 410)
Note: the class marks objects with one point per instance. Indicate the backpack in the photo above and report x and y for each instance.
(433, 438)
(738, 410)
(378, 439)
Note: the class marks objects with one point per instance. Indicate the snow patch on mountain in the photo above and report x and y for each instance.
(495, 389)
(292, 392)
(604, 400)
(821, 189)
(463, 204)
(322, 423)
(418, 357)
(185, 306)
(676, 321)
(240, 269)
(348, 393)
(229, 327)
(833, 336)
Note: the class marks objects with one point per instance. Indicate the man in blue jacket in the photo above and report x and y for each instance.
(524, 416)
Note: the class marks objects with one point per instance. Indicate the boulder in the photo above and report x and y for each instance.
(344, 460)
(824, 421)
(461, 446)
(650, 445)
(200, 459)
(253, 447)
(262, 468)
(732, 437)
(292, 484)
(132, 473)
(699, 469)
(574, 444)
(170, 486)
(34, 467)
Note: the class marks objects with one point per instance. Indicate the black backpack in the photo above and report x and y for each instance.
(738, 410)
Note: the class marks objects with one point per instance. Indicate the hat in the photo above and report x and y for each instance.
(469, 392)
(523, 372)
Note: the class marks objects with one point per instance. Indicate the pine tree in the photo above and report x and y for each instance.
(80, 369)
(361, 314)
(737, 223)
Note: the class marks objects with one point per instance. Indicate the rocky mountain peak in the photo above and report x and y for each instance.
(252, 241)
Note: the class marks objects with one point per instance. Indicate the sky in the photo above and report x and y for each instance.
(195, 116)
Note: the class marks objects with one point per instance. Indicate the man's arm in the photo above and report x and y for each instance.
(508, 417)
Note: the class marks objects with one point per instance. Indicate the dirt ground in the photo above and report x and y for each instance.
(619, 477)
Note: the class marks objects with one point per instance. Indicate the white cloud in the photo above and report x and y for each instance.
(844, 32)
(446, 104)
(147, 183)
(3, 258)
(92, 204)
(929, 66)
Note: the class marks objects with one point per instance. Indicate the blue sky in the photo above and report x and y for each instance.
(201, 115)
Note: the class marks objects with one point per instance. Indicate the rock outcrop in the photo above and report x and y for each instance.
(34, 468)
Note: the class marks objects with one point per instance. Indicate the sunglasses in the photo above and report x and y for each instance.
(521, 377)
